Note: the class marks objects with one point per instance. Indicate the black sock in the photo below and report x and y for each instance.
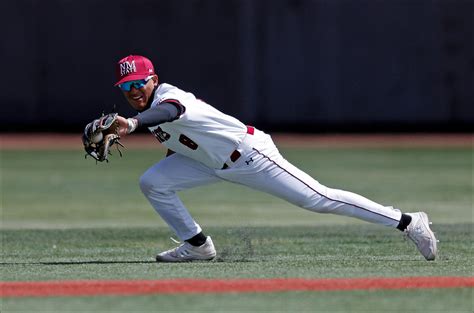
(404, 222)
(197, 240)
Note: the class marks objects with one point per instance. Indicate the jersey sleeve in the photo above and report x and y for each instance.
(179, 106)
(164, 112)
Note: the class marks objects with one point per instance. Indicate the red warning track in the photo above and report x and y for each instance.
(145, 141)
(177, 286)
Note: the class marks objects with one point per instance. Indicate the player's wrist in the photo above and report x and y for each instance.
(132, 125)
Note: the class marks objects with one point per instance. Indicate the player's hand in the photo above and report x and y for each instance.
(123, 126)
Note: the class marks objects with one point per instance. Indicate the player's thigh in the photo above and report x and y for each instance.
(279, 178)
(177, 172)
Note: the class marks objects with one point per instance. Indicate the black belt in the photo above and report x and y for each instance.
(236, 154)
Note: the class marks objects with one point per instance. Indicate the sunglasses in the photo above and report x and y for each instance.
(137, 84)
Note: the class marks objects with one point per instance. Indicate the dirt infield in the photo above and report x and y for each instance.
(146, 141)
(177, 286)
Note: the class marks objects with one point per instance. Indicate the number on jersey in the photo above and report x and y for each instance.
(163, 136)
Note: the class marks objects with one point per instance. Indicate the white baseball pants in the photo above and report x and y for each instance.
(260, 167)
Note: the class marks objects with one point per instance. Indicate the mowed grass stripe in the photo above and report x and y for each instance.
(178, 286)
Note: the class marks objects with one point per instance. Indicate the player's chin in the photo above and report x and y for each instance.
(137, 103)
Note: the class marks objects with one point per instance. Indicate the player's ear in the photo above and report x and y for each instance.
(155, 80)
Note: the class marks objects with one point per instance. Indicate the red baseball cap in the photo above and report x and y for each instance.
(133, 67)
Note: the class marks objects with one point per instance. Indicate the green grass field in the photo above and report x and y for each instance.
(65, 218)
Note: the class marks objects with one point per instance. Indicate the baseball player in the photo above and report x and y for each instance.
(207, 146)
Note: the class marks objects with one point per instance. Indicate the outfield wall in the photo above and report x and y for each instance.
(307, 65)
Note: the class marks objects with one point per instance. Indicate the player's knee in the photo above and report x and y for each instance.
(316, 204)
(318, 209)
(146, 183)
(152, 183)
(311, 206)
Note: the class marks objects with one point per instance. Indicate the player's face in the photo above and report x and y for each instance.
(138, 97)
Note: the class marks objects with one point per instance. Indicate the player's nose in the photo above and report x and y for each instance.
(134, 90)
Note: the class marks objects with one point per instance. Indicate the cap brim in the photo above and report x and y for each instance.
(131, 77)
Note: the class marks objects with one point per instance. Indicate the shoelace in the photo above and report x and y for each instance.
(177, 251)
(175, 241)
(418, 230)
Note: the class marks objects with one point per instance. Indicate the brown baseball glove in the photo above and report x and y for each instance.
(100, 135)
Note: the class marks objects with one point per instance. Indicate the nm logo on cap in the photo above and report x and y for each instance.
(127, 68)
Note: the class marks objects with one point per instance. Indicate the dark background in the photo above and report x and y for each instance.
(283, 65)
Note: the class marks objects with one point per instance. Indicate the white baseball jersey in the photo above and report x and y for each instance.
(202, 132)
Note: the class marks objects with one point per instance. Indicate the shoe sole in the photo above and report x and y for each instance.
(161, 260)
